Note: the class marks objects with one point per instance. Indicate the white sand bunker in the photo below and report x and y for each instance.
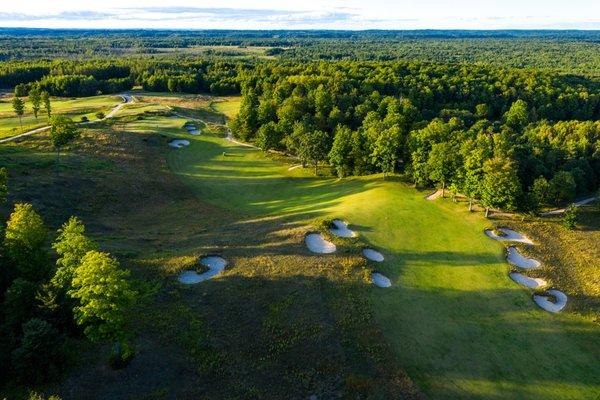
(518, 260)
(553, 307)
(532, 283)
(380, 280)
(179, 143)
(215, 265)
(317, 244)
(192, 130)
(373, 255)
(508, 236)
(341, 229)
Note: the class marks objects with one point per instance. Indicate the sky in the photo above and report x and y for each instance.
(303, 14)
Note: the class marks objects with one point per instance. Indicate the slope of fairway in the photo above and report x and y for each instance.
(458, 324)
(74, 108)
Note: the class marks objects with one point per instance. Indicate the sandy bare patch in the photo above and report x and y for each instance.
(373, 255)
(215, 265)
(434, 195)
(518, 260)
(317, 244)
(179, 143)
(293, 167)
(524, 280)
(546, 303)
(508, 236)
(341, 229)
(380, 280)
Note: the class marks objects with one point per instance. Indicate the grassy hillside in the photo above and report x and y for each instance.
(281, 322)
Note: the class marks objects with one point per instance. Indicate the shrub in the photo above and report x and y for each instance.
(570, 217)
(121, 355)
(40, 352)
(84, 119)
(100, 115)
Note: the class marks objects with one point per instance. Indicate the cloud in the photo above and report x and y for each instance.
(65, 15)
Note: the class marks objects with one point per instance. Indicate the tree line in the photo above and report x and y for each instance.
(513, 139)
(50, 296)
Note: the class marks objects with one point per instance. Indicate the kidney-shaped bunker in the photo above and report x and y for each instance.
(317, 244)
(215, 265)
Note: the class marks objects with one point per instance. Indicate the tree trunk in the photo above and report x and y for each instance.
(470, 204)
(487, 212)
(21, 123)
(316, 164)
(443, 189)
(57, 160)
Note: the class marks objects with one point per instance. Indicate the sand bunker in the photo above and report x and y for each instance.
(179, 143)
(532, 283)
(341, 229)
(380, 280)
(509, 236)
(545, 302)
(317, 244)
(215, 265)
(373, 255)
(518, 260)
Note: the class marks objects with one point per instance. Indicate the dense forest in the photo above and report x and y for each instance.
(515, 132)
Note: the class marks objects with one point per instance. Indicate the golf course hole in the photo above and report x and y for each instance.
(317, 244)
(215, 265)
(508, 235)
(372, 255)
(518, 260)
(179, 143)
(523, 280)
(380, 280)
(546, 303)
(341, 229)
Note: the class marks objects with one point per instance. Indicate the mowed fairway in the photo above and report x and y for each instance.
(459, 326)
(74, 108)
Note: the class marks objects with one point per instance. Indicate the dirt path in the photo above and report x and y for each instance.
(562, 210)
(126, 100)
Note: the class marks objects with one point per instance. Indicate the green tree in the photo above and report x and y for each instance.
(24, 241)
(541, 191)
(517, 116)
(442, 163)
(47, 104)
(104, 293)
(19, 304)
(482, 111)
(314, 147)
(500, 186)
(3, 185)
(62, 131)
(340, 155)
(40, 353)
(19, 108)
(71, 245)
(562, 187)
(268, 136)
(36, 100)
(386, 148)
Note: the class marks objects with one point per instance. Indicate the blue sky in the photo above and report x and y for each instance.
(305, 14)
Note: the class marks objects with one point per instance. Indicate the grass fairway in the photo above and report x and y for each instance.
(457, 323)
(74, 108)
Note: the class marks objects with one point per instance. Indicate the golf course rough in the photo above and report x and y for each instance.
(508, 236)
(215, 266)
(341, 229)
(524, 280)
(380, 280)
(551, 306)
(317, 244)
(518, 260)
(179, 143)
(373, 255)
